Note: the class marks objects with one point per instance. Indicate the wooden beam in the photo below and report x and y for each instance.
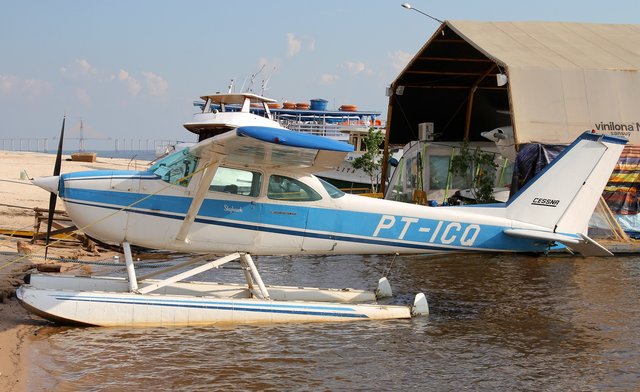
(456, 59)
(416, 72)
(385, 150)
(422, 86)
(472, 92)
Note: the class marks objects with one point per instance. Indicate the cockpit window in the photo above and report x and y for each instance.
(331, 190)
(177, 168)
(288, 189)
(236, 181)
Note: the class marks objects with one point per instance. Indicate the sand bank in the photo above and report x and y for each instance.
(18, 197)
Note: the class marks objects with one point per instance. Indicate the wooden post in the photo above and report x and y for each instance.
(385, 150)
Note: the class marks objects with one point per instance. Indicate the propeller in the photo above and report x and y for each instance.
(54, 195)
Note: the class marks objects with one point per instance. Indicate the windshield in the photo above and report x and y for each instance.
(176, 168)
(331, 190)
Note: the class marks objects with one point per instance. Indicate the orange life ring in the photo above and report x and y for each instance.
(348, 108)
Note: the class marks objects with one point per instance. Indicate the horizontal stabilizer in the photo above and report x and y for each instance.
(583, 244)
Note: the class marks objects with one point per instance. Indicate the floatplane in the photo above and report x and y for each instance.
(251, 190)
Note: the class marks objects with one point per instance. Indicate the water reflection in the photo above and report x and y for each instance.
(498, 322)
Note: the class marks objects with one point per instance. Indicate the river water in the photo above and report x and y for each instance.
(497, 322)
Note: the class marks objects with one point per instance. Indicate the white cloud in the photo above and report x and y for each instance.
(133, 86)
(36, 88)
(31, 88)
(85, 67)
(156, 84)
(8, 83)
(80, 68)
(355, 67)
(311, 45)
(328, 78)
(400, 59)
(293, 45)
(123, 75)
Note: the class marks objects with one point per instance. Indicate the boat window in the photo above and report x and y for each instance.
(236, 181)
(439, 174)
(332, 190)
(176, 168)
(288, 189)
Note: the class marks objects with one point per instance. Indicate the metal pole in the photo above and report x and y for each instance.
(256, 276)
(131, 271)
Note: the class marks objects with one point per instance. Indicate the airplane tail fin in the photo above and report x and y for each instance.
(564, 195)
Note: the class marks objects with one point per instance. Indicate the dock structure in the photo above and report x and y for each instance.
(39, 144)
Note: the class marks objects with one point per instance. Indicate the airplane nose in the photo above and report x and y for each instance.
(49, 183)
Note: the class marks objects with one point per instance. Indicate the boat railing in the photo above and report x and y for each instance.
(335, 131)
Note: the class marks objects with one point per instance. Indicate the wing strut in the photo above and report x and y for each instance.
(196, 202)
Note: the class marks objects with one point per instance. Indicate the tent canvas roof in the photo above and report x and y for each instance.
(563, 79)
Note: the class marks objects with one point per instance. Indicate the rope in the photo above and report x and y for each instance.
(388, 270)
(109, 215)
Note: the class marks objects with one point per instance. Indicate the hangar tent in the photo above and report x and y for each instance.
(549, 81)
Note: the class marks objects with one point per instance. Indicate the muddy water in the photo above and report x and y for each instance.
(497, 323)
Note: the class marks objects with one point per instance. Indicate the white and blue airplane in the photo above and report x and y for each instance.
(252, 191)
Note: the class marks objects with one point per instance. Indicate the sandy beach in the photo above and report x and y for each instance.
(18, 198)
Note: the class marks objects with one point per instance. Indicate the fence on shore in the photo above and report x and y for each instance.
(47, 145)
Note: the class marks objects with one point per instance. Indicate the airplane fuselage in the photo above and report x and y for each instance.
(146, 210)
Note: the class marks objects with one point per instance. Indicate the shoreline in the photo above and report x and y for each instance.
(16, 323)
(19, 198)
(15, 326)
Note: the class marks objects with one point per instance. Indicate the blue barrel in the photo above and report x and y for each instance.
(319, 104)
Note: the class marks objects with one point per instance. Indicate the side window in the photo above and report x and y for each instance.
(285, 188)
(236, 181)
(177, 168)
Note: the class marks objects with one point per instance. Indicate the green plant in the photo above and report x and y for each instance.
(477, 169)
(369, 162)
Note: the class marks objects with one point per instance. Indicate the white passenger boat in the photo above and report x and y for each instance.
(222, 112)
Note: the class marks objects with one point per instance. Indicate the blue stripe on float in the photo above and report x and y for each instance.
(324, 311)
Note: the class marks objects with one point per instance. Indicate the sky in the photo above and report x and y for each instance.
(132, 69)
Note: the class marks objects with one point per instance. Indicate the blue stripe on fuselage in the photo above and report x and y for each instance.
(314, 222)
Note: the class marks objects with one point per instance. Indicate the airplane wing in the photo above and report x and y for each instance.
(274, 147)
(255, 146)
(583, 245)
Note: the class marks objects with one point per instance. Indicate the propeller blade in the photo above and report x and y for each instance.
(54, 195)
(56, 167)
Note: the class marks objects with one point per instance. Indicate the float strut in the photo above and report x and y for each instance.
(256, 276)
(131, 271)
